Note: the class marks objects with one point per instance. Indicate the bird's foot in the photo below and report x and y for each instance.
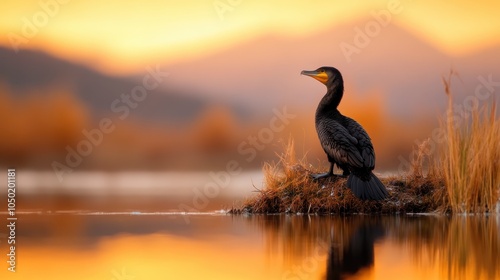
(326, 175)
(321, 175)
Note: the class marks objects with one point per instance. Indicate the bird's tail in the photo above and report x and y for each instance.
(367, 187)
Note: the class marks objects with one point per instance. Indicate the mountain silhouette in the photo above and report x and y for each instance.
(264, 72)
(28, 70)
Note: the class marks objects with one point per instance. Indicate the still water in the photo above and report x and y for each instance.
(162, 245)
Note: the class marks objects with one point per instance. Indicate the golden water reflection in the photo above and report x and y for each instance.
(124, 246)
(368, 247)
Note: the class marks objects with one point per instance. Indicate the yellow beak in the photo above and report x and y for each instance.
(320, 76)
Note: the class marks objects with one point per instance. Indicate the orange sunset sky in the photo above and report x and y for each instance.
(121, 37)
(231, 63)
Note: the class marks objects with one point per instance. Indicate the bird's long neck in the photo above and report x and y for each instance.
(332, 98)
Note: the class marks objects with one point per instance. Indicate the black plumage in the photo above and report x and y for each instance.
(344, 141)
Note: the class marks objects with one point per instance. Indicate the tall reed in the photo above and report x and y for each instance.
(470, 157)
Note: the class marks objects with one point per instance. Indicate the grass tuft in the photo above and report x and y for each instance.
(290, 189)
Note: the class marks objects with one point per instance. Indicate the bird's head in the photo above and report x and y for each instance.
(326, 75)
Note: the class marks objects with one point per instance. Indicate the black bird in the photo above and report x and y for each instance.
(344, 141)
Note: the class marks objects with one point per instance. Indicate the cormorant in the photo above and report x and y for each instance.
(344, 141)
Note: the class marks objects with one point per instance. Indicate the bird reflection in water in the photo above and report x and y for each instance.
(347, 259)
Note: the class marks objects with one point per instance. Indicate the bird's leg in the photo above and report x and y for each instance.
(324, 175)
(345, 171)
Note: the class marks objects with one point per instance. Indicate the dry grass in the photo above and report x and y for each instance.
(470, 158)
(290, 189)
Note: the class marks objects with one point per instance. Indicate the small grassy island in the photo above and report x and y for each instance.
(462, 176)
